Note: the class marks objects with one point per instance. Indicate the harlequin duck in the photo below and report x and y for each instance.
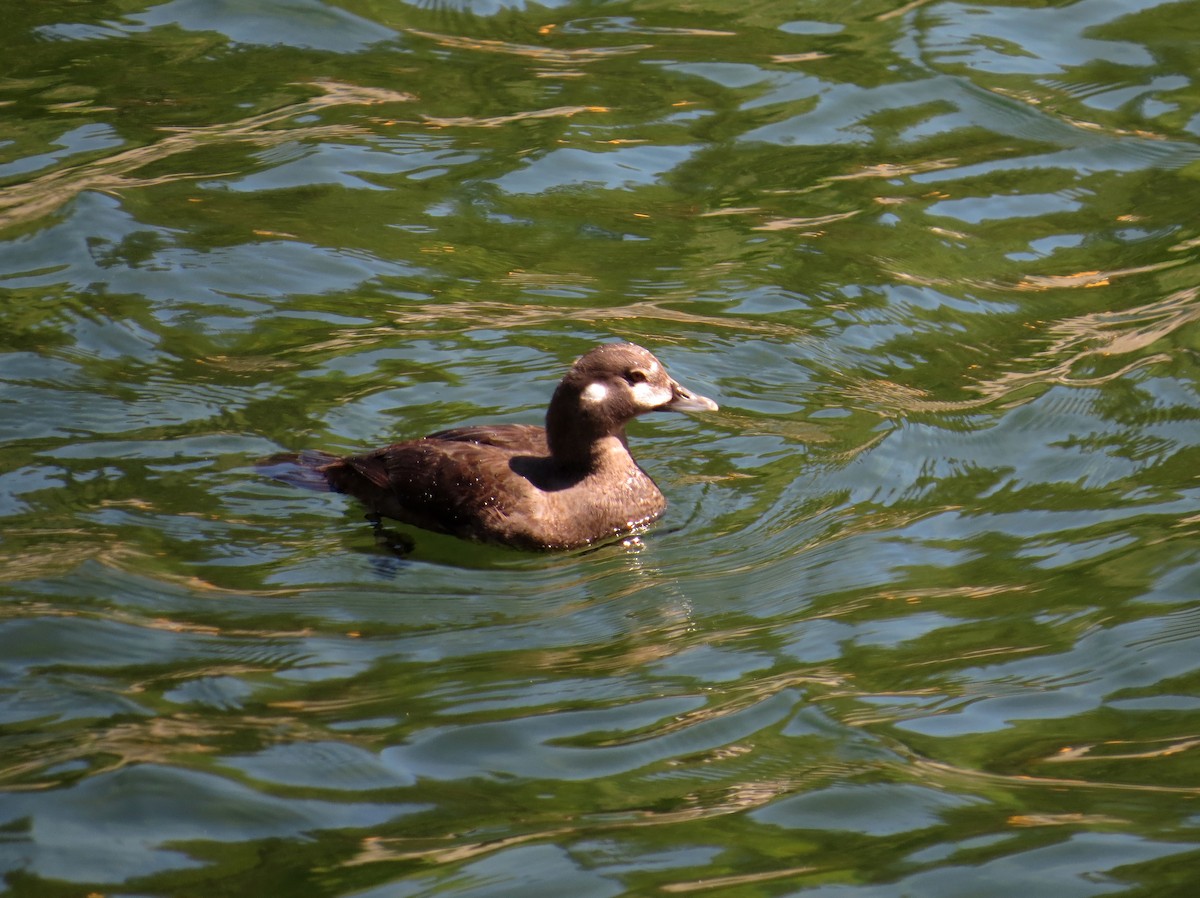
(564, 486)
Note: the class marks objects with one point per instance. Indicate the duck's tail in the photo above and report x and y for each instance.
(305, 468)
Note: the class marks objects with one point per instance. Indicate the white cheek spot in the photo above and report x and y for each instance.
(594, 393)
(649, 396)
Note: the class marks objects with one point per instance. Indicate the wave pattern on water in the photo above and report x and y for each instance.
(922, 617)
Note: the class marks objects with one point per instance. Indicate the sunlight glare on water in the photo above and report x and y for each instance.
(922, 618)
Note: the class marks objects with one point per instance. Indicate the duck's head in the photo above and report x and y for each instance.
(606, 389)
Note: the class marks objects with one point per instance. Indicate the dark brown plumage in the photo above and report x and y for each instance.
(567, 485)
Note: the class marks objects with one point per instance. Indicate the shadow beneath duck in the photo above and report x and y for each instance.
(399, 544)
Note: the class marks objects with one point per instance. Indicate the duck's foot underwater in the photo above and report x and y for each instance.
(399, 544)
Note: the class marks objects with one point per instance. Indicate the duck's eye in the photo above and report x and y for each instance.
(635, 376)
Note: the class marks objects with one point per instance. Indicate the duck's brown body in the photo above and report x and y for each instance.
(500, 484)
(567, 485)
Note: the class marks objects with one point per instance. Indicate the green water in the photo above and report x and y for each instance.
(924, 616)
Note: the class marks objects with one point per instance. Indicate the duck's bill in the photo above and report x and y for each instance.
(684, 400)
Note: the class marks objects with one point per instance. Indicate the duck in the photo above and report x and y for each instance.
(570, 484)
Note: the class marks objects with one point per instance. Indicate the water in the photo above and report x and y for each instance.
(922, 619)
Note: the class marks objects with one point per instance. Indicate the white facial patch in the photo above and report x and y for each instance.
(594, 393)
(647, 395)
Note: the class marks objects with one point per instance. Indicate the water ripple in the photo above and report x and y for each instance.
(922, 611)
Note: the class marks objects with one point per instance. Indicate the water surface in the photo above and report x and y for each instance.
(922, 618)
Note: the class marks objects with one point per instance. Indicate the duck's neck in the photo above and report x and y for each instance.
(577, 440)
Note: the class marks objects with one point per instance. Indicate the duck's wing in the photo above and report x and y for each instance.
(523, 439)
(450, 482)
(438, 457)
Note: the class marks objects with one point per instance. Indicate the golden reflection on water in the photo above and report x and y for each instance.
(35, 199)
(500, 314)
(72, 548)
(783, 224)
(1074, 342)
(1114, 750)
(721, 882)
(496, 121)
(721, 802)
(549, 55)
(1089, 278)
(953, 776)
